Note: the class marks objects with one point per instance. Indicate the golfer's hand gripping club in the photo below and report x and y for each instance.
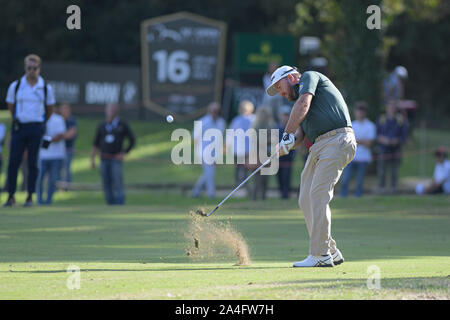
(287, 142)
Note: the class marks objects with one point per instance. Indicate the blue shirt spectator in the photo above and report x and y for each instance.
(392, 132)
(71, 122)
(242, 121)
(70, 137)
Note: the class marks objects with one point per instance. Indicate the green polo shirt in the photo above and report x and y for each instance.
(328, 110)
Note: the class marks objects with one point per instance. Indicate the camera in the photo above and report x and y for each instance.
(46, 141)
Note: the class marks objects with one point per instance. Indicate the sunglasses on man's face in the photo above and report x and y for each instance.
(32, 68)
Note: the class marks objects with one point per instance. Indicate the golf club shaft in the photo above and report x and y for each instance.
(242, 183)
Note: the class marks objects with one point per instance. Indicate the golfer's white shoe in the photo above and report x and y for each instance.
(338, 258)
(313, 261)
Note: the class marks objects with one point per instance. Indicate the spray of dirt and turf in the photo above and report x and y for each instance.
(211, 239)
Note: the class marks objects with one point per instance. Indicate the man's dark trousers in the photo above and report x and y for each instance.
(112, 176)
(27, 137)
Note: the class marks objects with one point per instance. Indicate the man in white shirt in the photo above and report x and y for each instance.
(441, 176)
(30, 101)
(210, 121)
(241, 146)
(51, 159)
(365, 133)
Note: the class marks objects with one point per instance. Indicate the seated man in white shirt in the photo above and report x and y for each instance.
(441, 176)
(51, 159)
(365, 133)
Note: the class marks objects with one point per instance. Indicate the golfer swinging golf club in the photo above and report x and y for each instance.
(319, 115)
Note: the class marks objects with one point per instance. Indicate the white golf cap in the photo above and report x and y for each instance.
(401, 72)
(277, 75)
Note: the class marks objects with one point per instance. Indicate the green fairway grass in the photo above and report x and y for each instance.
(137, 251)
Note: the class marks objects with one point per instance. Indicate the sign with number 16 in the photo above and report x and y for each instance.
(182, 63)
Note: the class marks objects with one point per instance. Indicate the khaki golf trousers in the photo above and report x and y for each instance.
(328, 156)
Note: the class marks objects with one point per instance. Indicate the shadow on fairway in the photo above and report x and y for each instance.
(274, 232)
(419, 284)
(152, 269)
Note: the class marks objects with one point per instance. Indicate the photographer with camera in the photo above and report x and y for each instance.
(51, 156)
(30, 101)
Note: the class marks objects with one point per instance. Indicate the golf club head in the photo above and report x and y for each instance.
(200, 212)
(212, 211)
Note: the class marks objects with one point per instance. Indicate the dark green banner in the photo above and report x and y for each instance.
(253, 52)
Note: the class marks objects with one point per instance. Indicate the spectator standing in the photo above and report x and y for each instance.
(109, 140)
(30, 101)
(394, 84)
(263, 121)
(51, 157)
(392, 132)
(2, 141)
(70, 137)
(286, 161)
(365, 133)
(23, 169)
(212, 120)
(241, 122)
(394, 89)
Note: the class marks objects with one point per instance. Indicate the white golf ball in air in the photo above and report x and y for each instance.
(169, 118)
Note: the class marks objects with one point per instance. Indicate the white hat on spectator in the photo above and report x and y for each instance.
(401, 72)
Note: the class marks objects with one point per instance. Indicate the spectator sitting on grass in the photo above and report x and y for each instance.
(441, 177)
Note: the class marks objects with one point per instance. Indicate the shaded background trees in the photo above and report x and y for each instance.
(414, 33)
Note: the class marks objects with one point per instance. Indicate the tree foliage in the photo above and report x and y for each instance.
(359, 58)
(414, 33)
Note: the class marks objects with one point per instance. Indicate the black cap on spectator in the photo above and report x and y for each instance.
(441, 152)
(361, 105)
